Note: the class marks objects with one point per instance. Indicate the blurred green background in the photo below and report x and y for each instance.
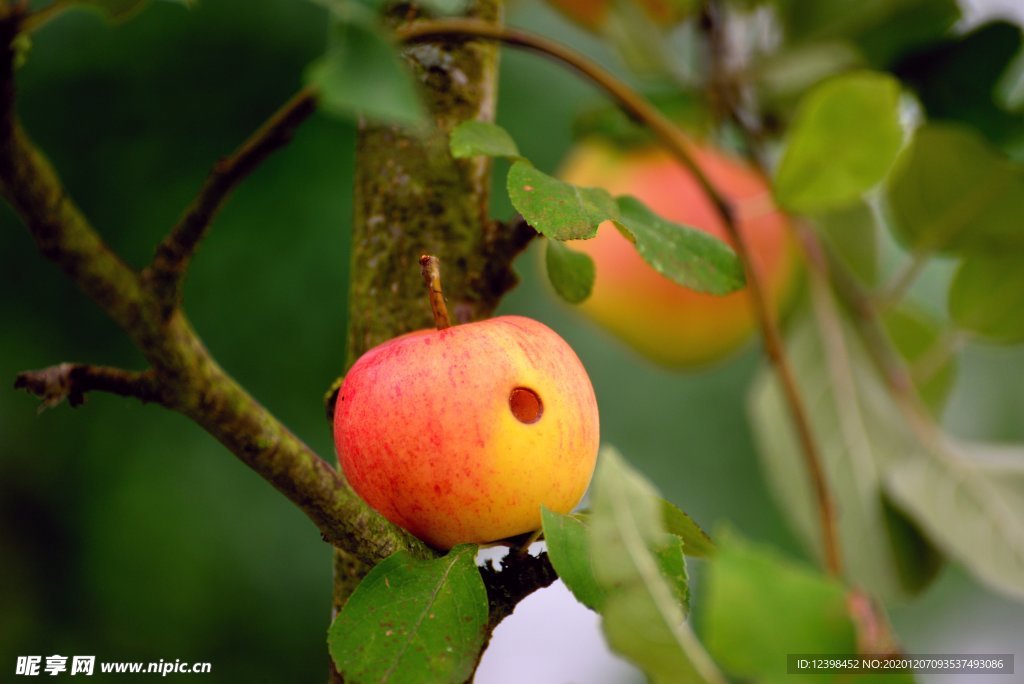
(127, 532)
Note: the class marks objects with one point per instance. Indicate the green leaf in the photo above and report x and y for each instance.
(969, 498)
(952, 192)
(844, 138)
(568, 542)
(361, 74)
(805, 20)
(672, 564)
(910, 26)
(987, 297)
(917, 559)
(859, 432)
(644, 608)
(688, 256)
(474, 138)
(761, 606)
(696, 541)
(413, 620)
(571, 273)
(852, 233)
(917, 336)
(784, 76)
(957, 80)
(556, 209)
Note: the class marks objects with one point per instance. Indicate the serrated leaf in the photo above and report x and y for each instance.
(750, 587)
(571, 273)
(987, 297)
(916, 334)
(568, 543)
(685, 255)
(474, 138)
(556, 209)
(969, 498)
(361, 73)
(843, 140)
(951, 192)
(859, 432)
(643, 612)
(672, 564)
(696, 541)
(412, 620)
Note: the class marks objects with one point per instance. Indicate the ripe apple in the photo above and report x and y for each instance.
(672, 325)
(461, 434)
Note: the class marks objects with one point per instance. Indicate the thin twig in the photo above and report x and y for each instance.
(679, 145)
(71, 382)
(170, 263)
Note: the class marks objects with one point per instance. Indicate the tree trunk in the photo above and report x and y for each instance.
(412, 198)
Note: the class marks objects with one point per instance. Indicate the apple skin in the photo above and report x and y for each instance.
(669, 324)
(426, 434)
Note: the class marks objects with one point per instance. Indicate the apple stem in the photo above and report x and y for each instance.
(431, 270)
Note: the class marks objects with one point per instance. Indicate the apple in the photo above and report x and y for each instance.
(461, 434)
(672, 325)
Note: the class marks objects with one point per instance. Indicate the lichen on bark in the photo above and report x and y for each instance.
(412, 198)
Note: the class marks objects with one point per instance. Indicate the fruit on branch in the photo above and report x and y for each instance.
(594, 14)
(461, 434)
(670, 324)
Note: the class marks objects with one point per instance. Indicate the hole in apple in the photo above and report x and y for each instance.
(526, 405)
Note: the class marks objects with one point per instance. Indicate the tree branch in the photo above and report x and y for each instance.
(71, 381)
(517, 576)
(679, 145)
(166, 273)
(187, 378)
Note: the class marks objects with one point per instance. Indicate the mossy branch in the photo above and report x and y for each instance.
(183, 376)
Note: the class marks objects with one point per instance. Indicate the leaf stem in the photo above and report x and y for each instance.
(679, 145)
(431, 269)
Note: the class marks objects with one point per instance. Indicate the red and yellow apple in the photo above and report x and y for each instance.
(670, 324)
(462, 434)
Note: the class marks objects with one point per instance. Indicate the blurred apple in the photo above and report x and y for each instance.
(461, 434)
(670, 324)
